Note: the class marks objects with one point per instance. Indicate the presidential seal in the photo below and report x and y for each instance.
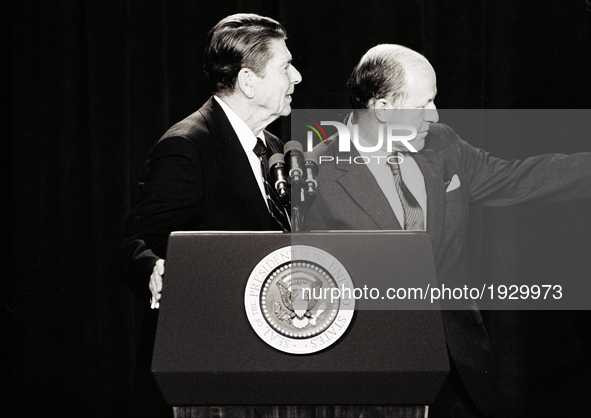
(299, 299)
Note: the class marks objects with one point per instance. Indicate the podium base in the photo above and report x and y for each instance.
(401, 411)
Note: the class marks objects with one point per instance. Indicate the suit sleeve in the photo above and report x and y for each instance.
(546, 178)
(170, 199)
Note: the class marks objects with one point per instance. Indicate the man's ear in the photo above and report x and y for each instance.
(380, 108)
(245, 82)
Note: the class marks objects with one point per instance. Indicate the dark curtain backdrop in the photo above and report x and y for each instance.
(95, 84)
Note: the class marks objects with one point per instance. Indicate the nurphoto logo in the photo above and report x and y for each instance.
(389, 132)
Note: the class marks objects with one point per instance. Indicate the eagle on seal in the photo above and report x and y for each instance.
(299, 308)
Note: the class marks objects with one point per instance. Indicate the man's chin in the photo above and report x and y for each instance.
(286, 110)
(418, 144)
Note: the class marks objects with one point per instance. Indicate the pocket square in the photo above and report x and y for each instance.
(453, 184)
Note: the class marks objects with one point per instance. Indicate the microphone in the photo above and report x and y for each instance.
(294, 155)
(311, 163)
(277, 168)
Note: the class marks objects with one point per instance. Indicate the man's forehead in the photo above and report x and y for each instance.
(279, 52)
(420, 90)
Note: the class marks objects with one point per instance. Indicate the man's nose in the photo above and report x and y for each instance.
(294, 75)
(431, 114)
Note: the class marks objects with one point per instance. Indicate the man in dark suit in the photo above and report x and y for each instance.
(206, 172)
(431, 190)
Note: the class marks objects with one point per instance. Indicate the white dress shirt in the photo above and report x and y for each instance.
(410, 172)
(248, 141)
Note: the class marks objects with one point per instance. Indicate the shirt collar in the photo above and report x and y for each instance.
(245, 134)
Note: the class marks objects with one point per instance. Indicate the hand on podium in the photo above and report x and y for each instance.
(156, 284)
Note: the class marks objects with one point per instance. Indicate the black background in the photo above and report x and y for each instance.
(94, 85)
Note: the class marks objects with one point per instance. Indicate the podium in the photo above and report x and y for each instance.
(207, 353)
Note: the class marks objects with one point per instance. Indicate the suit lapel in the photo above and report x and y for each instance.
(274, 144)
(433, 175)
(232, 157)
(362, 186)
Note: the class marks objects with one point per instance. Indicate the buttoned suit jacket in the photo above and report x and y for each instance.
(349, 198)
(197, 177)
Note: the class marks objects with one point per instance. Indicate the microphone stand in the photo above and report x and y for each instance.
(296, 171)
(304, 192)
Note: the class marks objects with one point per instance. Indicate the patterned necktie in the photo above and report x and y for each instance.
(276, 208)
(414, 218)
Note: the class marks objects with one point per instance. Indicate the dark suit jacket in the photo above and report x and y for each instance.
(349, 198)
(197, 177)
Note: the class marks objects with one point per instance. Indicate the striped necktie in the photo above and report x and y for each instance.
(414, 218)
